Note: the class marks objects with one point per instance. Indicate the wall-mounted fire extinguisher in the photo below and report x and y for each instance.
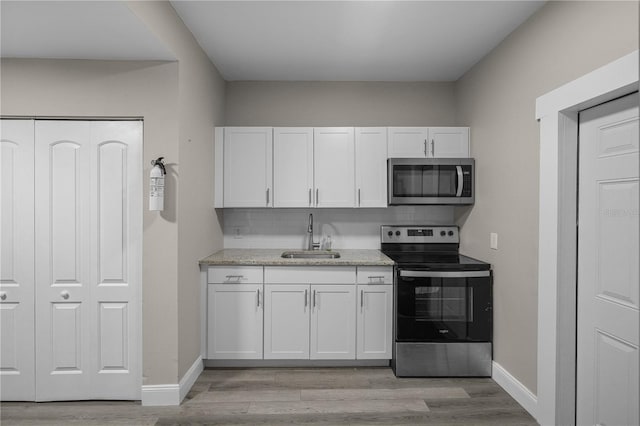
(156, 190)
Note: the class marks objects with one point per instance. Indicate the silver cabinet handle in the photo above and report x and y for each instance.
(268, 197)
(3, 295)
(64, 294)
(258, 296)
(425, 147)
(314, 298)
(317, 197)
(306, 292)
(433, 148)
(361, 299)
(376, 278)
(359, 200)
(310, 201)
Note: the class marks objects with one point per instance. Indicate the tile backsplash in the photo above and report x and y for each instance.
(349, 228)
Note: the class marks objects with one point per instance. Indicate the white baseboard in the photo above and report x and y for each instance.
(190, 377)
(517, 390)
(172, 394)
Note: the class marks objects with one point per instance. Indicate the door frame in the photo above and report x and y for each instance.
(557, 112)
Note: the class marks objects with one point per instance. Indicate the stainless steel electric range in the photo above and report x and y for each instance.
(442, 304)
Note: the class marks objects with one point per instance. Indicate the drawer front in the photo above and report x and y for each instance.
(375, 275)
(235, 275)
(310, 274)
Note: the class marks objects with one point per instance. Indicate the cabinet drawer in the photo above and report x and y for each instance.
(310, 275)
(375, 275)
(235, 275)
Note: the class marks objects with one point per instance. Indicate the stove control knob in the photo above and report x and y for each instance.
(443, 233)
(451, 233)
(398, 233)
(390, 233)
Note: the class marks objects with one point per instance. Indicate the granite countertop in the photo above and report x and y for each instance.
(271, 257)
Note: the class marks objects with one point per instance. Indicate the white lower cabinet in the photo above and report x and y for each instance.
(234, 321)
(333, 323)
(286, 321)
(307, 312)
(374, 320)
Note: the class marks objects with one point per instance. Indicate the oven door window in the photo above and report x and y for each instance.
(438, 303)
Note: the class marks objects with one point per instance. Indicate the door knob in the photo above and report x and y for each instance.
(3, 295)
(64, 294)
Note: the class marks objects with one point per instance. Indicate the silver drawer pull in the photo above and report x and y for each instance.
(376, 278)
(361, 299)
(305, 297)
(258, 293)
(235, 278)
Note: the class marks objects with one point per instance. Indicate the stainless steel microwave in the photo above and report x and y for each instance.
(431, 180)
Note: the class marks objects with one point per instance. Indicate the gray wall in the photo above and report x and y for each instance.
(561, 42)
(181, 102)
(268, 103)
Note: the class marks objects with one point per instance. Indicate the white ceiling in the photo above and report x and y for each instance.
(278, 40)
(76, 30)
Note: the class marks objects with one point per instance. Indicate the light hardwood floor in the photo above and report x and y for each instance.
(319, 396)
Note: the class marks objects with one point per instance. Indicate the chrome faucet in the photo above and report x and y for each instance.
(311, 245)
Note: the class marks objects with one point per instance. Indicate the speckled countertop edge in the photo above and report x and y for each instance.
(272, 257)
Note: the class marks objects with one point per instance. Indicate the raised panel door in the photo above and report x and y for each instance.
(374, 321)
(333, 328)
(248, 162)
(286, 321)
(292, 167)
(407, 142)
(235, 321)
(371, 166)
(334, 166)
(88, 274)
(607, 376)
(17, 289)
(448, 142)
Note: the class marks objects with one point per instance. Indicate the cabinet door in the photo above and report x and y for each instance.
(286, 321)
(334, 167)
(248, 162)
(448, 142)
(407, 142)
(371, 167)
(234, 321)
(17, 350)
(292, 166)
(333, 328)
(374, 321)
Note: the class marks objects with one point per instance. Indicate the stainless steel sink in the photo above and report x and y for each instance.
(311, 254)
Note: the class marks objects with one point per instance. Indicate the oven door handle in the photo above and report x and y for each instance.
(444, 274)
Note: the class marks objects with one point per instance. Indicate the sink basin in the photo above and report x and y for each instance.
(311, 254)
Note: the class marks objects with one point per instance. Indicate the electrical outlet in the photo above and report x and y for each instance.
(237, 233)
(493, 241)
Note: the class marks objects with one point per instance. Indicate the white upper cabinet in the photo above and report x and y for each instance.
(334, 167)
(248, 162)
(449, 142)
(293, 167)
(371, 166)
(428, 142)
(407, 142)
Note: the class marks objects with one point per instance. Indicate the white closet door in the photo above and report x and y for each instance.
(17, 365)
(88, 229)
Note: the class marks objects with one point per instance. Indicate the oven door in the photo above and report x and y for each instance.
(443, 306)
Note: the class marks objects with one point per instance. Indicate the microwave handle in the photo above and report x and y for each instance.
(460, 181)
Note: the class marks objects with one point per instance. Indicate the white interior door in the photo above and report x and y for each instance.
(17, 351)
(608, 280)
(88, 253)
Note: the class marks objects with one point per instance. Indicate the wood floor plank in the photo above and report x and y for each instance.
(382, 394)
(321, 407)
(248, 396)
